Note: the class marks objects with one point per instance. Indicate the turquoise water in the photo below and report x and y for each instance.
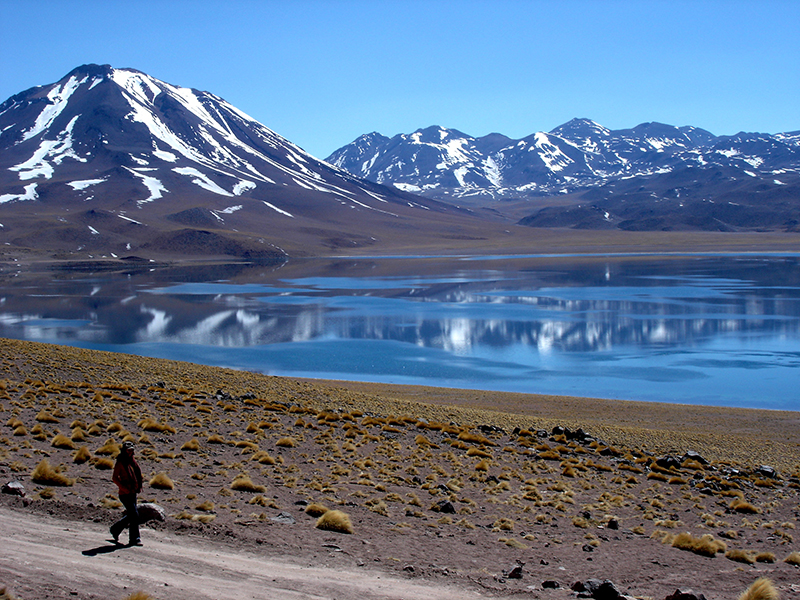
(721, 330)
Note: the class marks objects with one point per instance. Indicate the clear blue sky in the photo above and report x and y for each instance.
(321, 73)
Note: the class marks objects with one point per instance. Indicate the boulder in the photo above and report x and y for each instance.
(149, 511)
(692, 455)
(14, 488)
(685, 594)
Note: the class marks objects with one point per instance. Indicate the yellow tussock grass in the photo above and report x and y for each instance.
(46, 417)
(742, 556)
(192, 445)
(742, 506)
(82, 455)
(704, 546)
(761, 589)
(335, 520)
(316, 510)
(103, 464)
(793, 559)
(63, 442)
(161, 481)
(285, 442)
(47, 475)
(243, 483)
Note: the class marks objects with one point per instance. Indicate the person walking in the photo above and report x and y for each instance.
(128, 477)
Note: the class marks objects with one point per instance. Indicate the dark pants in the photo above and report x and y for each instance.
(130, 520)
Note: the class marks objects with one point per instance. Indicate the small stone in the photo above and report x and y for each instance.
(445, 506)
(515, 573)
(550, 585)
(685, 594)
(283, 517)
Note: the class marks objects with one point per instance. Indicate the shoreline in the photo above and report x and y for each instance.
(721, 432)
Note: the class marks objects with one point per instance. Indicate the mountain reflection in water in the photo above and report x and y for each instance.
(693, 329)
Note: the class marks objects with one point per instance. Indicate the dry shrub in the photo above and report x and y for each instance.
(503, 524)
(316, 510)
(286, 442)
(216, 439)
(742, 556)
(20, 430)
(78, 435)
(421, 440)
(192, 445)
(110, 448)
(161, 481)
(657, 476)
(765, 557)
(263, 457)
(479, 453)
(793, 559)
(475, 438)
(47, 475)
(743, 506)
(187, 516)
(704, 546)
(207, 506)
(549, 455)
(761, 589)
(103, 464)
(46, 417)
(63, 442)
(335, 520)
(483, 465)
(82, 455)
(243, 483)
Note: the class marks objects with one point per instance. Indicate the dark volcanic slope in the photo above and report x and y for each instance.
(115, 161)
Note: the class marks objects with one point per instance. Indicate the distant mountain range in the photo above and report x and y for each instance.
(581, 174)
(115, 162)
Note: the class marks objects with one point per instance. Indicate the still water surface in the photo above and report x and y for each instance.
(721, 330)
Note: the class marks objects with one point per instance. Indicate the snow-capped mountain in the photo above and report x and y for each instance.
(116, 159)
(587, 162)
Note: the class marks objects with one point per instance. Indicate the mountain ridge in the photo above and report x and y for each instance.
(582, 162)
(161, 158)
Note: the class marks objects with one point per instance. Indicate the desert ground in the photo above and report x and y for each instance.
(285, 488)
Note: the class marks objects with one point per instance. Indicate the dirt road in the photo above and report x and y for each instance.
(44, 557)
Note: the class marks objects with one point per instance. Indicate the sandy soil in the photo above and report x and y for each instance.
(446, 490)
(46, 557)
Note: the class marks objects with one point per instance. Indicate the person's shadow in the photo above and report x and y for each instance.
(107, 549)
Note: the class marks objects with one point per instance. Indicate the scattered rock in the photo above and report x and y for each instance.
(767, 471)
(599, 590)
(15, 488)
(283, 517)
(515, 572)
(550, 585)
(148, 511)
(612, 524)
(692, 455)
(446, 507)
(666, 462)
(685, 594)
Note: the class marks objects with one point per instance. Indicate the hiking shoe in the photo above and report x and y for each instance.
(136, 542)
(115, 535)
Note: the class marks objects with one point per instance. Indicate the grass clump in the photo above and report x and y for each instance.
(335, 520)
(243, 483)
(47, 475)
(793, 559)
(162, 481)
(761, 589)
(316, 510)
(705, 545)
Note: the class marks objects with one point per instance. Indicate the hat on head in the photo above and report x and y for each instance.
(127, 445)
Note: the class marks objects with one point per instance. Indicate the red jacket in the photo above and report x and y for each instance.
(127, 476)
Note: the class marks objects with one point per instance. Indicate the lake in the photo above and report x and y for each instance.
(692, 329)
